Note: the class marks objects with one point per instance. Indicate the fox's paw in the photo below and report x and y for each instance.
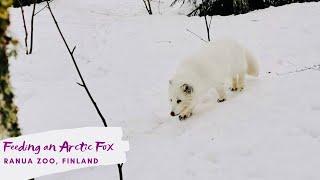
(221, 100)
(184, 116)
(234, 89)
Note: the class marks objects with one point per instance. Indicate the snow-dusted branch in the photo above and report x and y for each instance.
(83, 83)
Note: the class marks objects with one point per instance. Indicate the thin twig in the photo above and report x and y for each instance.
(147, 6)
(74, 48)
(196, 35)
(83, 83)
(44, 7)
(194, 11)
(32, 19)
(25, 27)
(77, 68)
(207, 26)
(175, 1)
(80, 84)
(210, 22)
(150, 10)
(120, 170)
(306, 68)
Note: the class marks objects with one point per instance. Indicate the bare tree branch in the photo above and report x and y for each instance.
(80, 84)
(210, 22)
(194, 11)
(32, 19)
(83, 83)
(207, 25)
(25, 27)
(306, 68)
(44, 7)
(147, 6)
(74, 48)
(120, 171)
(196, 35)
(175, 1)
(150, 11)
(77, 68)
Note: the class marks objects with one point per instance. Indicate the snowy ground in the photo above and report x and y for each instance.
(270, 131)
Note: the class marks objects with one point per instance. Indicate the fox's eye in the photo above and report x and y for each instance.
(178, 101)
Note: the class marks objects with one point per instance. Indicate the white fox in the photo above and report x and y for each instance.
(216, 63)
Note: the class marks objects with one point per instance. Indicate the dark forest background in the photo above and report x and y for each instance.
(210, 7)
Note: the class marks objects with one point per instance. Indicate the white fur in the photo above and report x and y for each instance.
(216, 63)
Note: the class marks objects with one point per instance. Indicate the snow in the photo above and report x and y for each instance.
(271, 130)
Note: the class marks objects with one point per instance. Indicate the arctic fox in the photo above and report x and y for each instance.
(216, 63)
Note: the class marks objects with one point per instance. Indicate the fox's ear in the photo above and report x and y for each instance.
(188, 89)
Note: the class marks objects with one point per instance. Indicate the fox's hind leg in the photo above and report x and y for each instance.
(241, 81)
(234, 83)
(222, 94)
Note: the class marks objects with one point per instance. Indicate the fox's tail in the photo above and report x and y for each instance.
(253, 66)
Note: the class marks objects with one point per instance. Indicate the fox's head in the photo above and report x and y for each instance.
(180, 96)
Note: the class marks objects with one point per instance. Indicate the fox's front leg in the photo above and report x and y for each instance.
(234, 83)
(221, 93)
(185, 114)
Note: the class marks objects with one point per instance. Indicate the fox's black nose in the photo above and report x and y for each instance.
(172, 113)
